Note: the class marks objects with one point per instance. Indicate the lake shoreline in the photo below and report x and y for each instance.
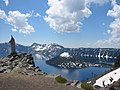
(80, 74)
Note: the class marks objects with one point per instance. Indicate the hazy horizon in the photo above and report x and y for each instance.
(58, 44)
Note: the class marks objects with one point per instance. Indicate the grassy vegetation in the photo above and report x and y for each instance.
(86, 86)
(60, 79)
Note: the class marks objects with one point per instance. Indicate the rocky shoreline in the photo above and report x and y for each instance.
(24, 64)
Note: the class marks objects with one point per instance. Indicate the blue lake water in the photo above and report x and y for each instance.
(71, 74)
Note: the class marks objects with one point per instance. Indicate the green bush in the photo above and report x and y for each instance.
(60, 79)
(86, 86)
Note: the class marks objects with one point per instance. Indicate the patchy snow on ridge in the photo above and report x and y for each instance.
(108, 78)
(65, 54)
(40, 48)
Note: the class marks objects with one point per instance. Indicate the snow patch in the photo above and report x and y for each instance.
(108, 78)
(40, 48)
(65, 54)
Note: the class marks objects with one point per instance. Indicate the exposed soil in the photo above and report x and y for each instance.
(16, 81)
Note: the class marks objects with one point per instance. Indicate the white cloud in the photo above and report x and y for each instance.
(109, 31)
(100, 2)
(114, 39)
(66, 15)
(37, 15)
(6, 2)
(18, 20)
(115, 12)
(14, 30)
(2, 14)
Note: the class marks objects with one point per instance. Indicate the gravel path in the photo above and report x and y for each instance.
(15, 81)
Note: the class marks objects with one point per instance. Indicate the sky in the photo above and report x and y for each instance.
(70, 23)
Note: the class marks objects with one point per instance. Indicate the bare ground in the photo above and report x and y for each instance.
(15, 81)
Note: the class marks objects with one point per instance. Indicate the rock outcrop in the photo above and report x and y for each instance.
(22, 63)
(13, 47)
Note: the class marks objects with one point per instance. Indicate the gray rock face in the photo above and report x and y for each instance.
(22, 63)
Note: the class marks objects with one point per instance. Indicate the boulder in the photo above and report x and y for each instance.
(36, 69)
(78, 85)
(68, 83)
(11, 58)
(2, 69)
(74, 83)
(8, 71)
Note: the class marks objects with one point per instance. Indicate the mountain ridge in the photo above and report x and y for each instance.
(49, 51)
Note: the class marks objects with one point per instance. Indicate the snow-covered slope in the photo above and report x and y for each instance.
(108, 78)
(45, 52)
